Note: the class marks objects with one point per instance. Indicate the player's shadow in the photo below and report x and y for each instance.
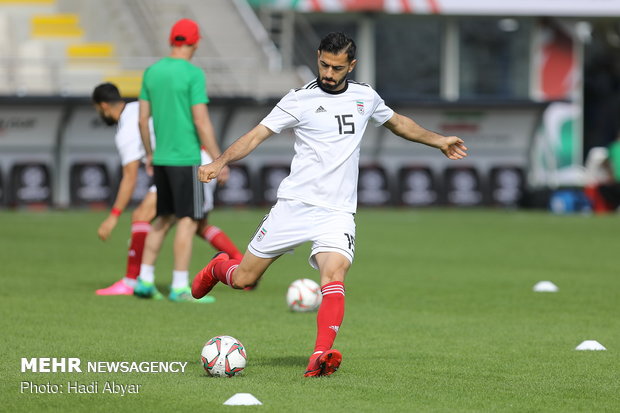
(281, 361)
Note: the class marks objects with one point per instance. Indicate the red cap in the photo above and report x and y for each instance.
(185, 31)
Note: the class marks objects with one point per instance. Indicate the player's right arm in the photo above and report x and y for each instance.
(123, 196)
(206, 135)
(238, 150)
(145, 133)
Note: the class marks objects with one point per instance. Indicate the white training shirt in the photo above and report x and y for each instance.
(127, 139)
(328, 131)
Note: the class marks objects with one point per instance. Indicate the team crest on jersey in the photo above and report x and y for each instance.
(261, 234)
(360, 107)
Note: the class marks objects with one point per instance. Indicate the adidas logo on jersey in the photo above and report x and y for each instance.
(320, 109)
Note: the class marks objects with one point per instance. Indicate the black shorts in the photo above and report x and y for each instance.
(179, 192)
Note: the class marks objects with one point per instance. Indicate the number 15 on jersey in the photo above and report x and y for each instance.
(345, 125)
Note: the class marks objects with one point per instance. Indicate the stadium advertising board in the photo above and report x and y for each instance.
(271, 177)
(373, 186)
(31, 184)
(463, 187)
(90, 184)
(27, 145)
(506, 186)
(417, 187)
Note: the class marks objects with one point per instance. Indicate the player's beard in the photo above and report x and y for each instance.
(108, 120)
(328, 86)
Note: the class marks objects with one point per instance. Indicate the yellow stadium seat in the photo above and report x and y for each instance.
(85, 50)
(27, 2)
(56, 25)
(129, 82)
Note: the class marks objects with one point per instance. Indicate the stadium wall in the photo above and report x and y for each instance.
(56, 153)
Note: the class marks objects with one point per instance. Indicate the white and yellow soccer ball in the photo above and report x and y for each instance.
(304, 295)
(224, 356)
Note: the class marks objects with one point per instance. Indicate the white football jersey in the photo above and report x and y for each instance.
(328, 130)
(127, 139)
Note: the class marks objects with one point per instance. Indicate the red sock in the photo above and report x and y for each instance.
(329, 318)
(224, 271)
(221, 242)
(139, 229)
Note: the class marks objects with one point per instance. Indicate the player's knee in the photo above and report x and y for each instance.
(145, 212)
(139, 216)
(163, 223)
(334, 274)
(333, 277)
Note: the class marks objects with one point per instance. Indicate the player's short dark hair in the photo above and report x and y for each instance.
(336, 43)
(106, 92)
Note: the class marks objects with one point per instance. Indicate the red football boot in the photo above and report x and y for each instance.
(323, 364)
(205, 280)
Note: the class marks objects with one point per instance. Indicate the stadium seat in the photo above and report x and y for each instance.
(135, 40)
(56, 25)
(101, 56)
(27, 2)
(129, 82)
(90, 50)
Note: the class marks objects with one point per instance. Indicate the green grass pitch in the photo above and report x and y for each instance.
(440, 316)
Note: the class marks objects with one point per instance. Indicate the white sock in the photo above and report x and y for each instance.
(131, 282)
(147, 273)
(180, 279)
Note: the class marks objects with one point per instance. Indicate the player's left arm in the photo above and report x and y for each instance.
(451, 146)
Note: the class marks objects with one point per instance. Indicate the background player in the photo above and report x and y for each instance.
(174, 92)
(114, 110)
(318, 200)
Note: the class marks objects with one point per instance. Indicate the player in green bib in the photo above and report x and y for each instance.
(174, 93)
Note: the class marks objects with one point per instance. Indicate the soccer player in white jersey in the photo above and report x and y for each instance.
(114, 110)
(318, 199)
